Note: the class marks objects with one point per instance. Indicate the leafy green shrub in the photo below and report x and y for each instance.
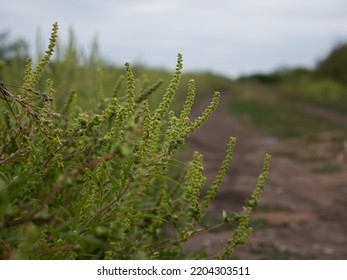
(334, 66)
(104, 183)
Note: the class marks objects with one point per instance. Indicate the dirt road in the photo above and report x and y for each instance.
(303, 209)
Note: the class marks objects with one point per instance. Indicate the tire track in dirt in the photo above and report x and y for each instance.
(303, 217)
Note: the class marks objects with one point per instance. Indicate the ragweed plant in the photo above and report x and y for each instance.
(99, 184)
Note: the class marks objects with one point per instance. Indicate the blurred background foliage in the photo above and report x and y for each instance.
(281, 92)
(74, 69)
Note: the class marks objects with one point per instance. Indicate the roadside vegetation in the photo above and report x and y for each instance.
(88, 160)
(95, 173)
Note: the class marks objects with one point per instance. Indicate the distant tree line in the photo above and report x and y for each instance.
(333, 66)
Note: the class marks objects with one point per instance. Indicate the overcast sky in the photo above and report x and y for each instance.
(231, 37)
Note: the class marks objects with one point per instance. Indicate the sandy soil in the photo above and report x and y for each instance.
(304, 212)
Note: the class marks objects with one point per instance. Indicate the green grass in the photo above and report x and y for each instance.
(269, 251)
(269, 208)
(327, 169)
(259, 223)
(278, 119)
(273, 113)
(342, 201)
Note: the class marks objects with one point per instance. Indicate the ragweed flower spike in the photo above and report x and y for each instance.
(147, 92)
(206, 114)
(171, 90)
(221, 174)
(243, 230)
(130, 90)
(189, 101)
(46, 58)
(163, 107)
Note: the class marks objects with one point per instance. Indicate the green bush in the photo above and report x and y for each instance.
(105, 183)
(334, 65)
